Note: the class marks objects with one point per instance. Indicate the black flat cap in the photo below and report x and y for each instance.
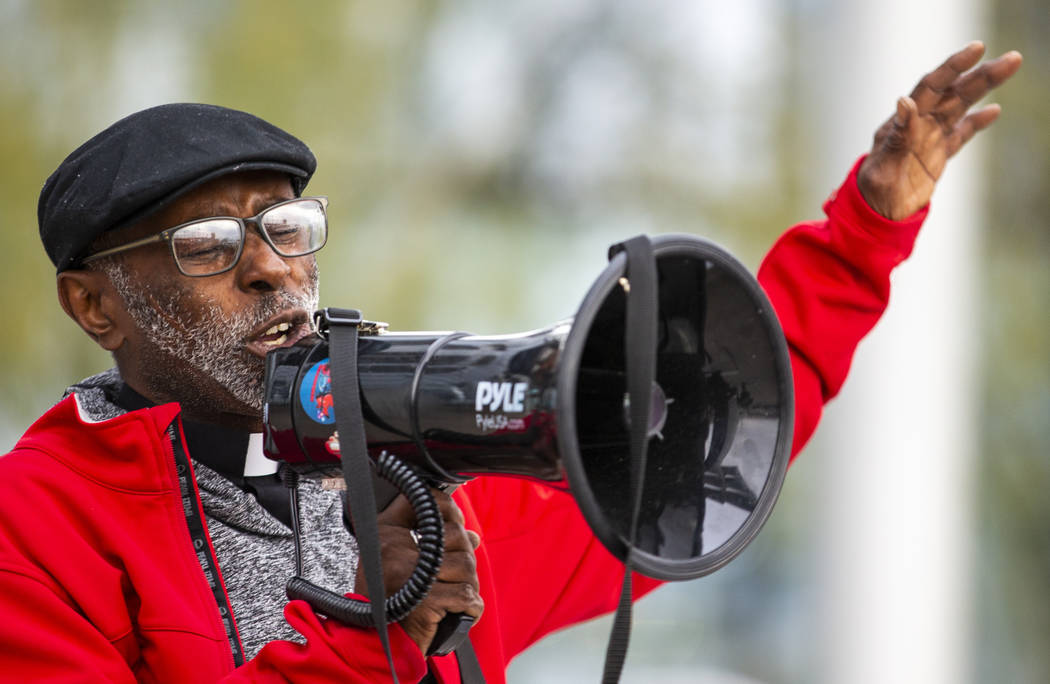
(147, 160)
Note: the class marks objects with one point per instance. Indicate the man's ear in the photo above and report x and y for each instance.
(88, 299)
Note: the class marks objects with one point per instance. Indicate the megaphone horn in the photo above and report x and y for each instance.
(552, 405)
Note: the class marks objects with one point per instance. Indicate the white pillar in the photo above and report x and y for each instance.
(895, 544)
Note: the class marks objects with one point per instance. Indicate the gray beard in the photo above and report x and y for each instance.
(212, 343)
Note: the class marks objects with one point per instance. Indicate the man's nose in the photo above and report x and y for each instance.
(261, 269)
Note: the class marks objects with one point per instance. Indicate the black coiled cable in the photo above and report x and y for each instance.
(430, 540)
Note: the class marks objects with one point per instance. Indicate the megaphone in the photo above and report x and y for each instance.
(551, 405)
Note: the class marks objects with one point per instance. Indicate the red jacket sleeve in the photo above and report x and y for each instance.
(829, 282)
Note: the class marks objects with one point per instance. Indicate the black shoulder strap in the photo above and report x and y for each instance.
(640, 352)
(342, 333)
(357, 471)
(469, 667)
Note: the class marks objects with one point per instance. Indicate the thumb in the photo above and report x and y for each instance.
(898, 135)
(906, 109)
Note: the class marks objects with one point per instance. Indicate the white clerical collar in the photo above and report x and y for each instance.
(255, 461)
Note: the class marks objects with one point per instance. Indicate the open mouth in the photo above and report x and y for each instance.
(280, 331)
(275, 336)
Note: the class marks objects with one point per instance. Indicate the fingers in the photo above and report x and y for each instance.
(399, 550)
(975, 84)
(456, 588)
(459, 563)
(397, 522)
(444, 598)
(945, 95)
(928, 91)
(952, 88)
(448, 508)
(453, 597)
(976, 121)
(972, 86)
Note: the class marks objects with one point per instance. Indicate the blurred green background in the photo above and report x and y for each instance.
(480, 156)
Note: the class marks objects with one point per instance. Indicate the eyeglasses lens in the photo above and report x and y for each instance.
(207, 247)
(296, 228)
(213, 245)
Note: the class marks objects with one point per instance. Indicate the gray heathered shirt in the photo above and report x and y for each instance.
(255, 551)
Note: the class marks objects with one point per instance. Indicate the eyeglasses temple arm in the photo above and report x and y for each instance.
(159, 237)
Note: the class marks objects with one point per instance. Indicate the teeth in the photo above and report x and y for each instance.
(281, 327)
(274, 343)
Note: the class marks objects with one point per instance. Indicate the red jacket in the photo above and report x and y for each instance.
(100, 579)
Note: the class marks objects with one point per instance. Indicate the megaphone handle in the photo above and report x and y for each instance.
(451, 633)
(453, 629)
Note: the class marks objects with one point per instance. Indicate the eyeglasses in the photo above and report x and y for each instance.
(212, 246)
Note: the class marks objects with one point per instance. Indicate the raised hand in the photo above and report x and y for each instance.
(912, 148)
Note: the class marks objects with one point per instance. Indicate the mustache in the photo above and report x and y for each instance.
(267, 308)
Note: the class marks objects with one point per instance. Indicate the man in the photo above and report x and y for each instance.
(142, 540)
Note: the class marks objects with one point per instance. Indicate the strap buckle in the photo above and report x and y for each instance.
(325, 318)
